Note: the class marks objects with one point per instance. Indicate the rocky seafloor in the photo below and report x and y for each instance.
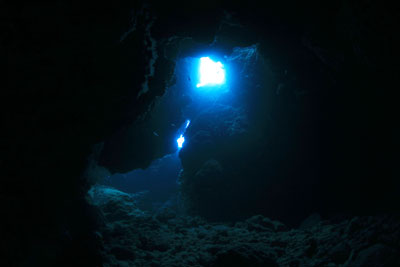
(131, 236)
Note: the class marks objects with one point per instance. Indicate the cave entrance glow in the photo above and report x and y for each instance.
(200, 81)
(211, 72)
(180, 141)
(181, 138)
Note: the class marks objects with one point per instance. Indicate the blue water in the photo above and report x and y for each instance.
(158, 183)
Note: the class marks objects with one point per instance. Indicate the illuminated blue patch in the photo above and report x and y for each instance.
(211, 73)
(180, 141)
(181, 138)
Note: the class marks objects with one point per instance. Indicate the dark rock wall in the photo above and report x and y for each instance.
(69, 82)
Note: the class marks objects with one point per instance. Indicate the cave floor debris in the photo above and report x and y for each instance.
(133, 237)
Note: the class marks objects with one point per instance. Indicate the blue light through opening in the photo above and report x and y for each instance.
(181, 138)
(180, 141)
(211, 73)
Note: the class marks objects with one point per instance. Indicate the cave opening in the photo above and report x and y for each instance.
(211, 73)
(199, 82)
(203, 123)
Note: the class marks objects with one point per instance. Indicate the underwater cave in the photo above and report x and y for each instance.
(221, 133)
